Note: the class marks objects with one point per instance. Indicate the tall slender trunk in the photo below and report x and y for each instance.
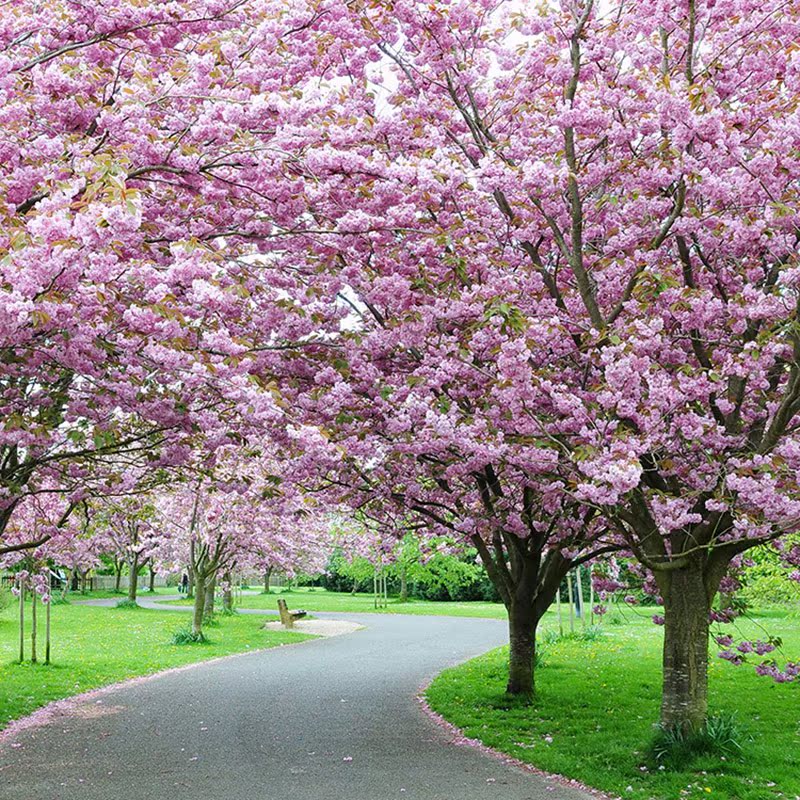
(47, 632)
(227, 595)
(571, 603)
(522, 623)
(21, 620)
(152, 579)
(199, 608)
(190, 587)
(403, 586)
(117, 576)
(685, 690)
(34, 597)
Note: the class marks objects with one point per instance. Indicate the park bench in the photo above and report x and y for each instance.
(288, 617)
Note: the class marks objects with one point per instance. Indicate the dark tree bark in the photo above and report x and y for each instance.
(133, 578)
(522, 624)
(684, 702)
(267, 575)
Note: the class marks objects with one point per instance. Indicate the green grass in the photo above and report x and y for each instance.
(92, 647)
(322, 600)
(597, 702)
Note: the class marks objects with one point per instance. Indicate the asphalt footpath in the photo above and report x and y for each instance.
(328, 719)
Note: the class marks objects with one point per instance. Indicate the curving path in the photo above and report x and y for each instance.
(330, 719)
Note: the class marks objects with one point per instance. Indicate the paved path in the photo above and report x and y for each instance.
(330, 719)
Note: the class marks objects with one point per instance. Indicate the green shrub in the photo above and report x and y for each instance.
(127, 604)
(188, 636)
(675, 749)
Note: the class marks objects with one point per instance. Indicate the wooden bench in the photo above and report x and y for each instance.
(288, 617)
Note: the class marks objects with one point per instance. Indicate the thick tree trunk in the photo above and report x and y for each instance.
(522, 624)
(209, 589)
(133, 579)
(152, 580)
(267, 575)
(117, 577)
(199, 608)
(686, 610)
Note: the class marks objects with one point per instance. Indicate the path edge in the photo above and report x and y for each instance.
(56, 709)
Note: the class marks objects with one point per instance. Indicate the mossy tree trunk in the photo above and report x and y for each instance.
(210, 589)
(688, 577)
(199, 609)
(684, 701)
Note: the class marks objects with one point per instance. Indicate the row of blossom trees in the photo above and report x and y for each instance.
(526, 275)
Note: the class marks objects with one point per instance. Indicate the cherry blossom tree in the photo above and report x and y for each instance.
(237, 512)
(558, 246)
(126, 169)
(129, 534)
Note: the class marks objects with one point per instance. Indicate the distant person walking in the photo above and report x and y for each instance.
(183, 586)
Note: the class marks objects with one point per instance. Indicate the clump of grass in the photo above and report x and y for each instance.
(127, 604)
(58, 600)
(188, 636)
(589, 634)
(675, 748)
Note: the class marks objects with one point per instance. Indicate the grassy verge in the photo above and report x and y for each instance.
(321, 600)
(595, 708)
(93, 647)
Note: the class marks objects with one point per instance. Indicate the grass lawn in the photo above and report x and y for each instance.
(596, 704)
(315, 599)
(92, 647)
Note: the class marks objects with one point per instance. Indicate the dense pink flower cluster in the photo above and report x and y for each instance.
(527, 276)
